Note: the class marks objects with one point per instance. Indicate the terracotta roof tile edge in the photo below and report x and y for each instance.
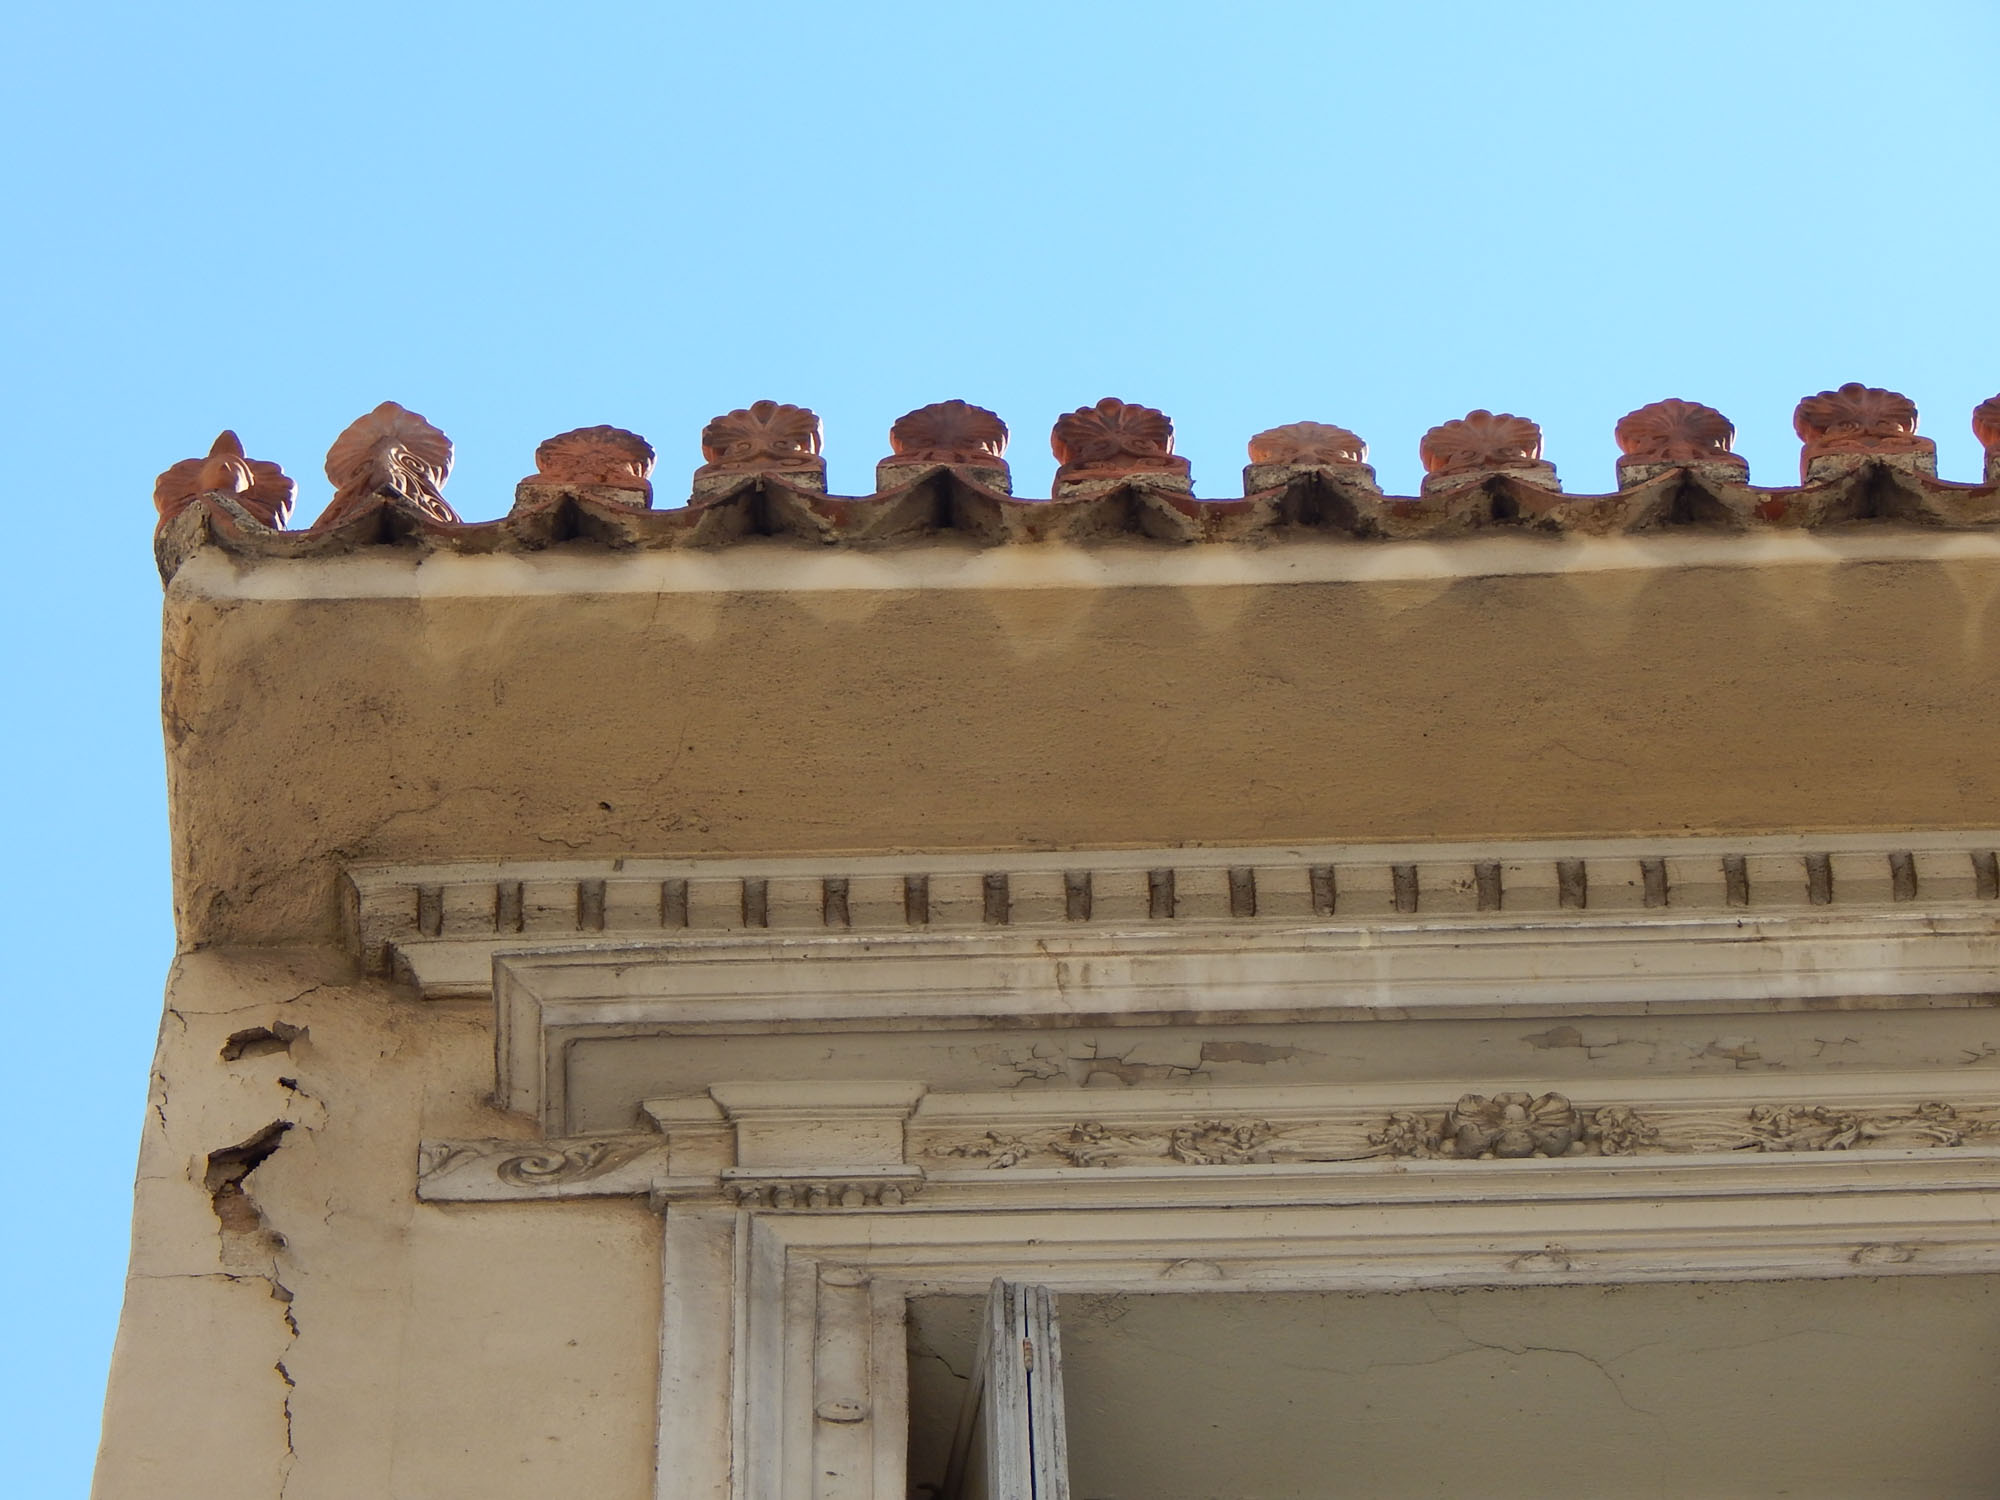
(1861, 462)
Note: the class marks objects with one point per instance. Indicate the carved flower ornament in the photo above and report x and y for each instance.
(1513, 1125)
(1858, 419)
(1480, 440)
(1675, 432)
(949, 432)
(391, 453)
(1114, 437)
(1308, 443)
(259, 486)
(595, 455)
(759, 437)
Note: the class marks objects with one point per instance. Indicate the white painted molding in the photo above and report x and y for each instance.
(442, 926)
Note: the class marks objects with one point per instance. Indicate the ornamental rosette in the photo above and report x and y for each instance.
(1676, 432)
(1858, 419)
(1620, 1130)
(390, 454)
(1479, 441)
(1513, 1125)
(260, 487)
(949, 432)
(595, 455)
(1114, 437)
(1308, 444)
(759, 437)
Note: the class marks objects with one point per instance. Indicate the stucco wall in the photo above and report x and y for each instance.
(1827, 688)
(323, 1335)
(779, 701)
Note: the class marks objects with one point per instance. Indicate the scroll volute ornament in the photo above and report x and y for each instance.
(1115, 440)
(390, 454)
(259, 487)
(1513, 1125)
(765, 437)
(1986, 427)
(1676, 432)
(1858, 421)
(608, 458)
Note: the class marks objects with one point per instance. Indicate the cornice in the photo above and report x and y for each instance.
(441, 925)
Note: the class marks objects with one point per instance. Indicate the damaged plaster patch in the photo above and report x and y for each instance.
(261, 1041)
(228, 1167)
(1250, 1052)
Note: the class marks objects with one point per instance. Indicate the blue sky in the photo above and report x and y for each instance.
(519, 219)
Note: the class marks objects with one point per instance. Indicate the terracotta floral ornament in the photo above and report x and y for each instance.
(955, 433)
(391, 455)
(1099, 447)
(602, 463)
(765, 437)
(1314, 443)
(1856, 422)
(1676, 434)
(256, 486)
(1513, 1125)
(1279, 453)
(1986, 427)
(1480, 443)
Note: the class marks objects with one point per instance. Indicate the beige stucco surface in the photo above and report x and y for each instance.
(1827, 690)
(355, 1342)
(350, 1341)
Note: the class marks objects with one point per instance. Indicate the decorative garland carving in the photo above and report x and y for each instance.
(1503, 1126)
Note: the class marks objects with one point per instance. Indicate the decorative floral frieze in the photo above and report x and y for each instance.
(1513, 1125)
(390, 454)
